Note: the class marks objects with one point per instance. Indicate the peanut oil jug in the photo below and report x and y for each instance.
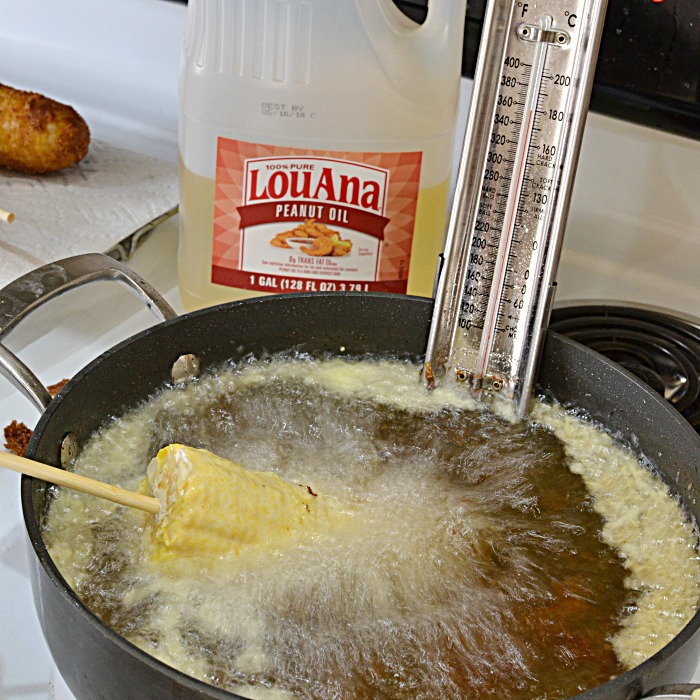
(316, 141)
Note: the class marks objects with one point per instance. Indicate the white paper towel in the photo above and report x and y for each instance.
(88, 208)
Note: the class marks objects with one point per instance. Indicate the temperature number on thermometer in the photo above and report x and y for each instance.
(497, 181)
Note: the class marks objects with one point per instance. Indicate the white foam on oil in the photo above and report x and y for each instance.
(430, 571)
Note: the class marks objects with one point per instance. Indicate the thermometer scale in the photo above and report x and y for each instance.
(531, 92)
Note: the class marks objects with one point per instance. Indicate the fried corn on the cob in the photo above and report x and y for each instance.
(213, 507)
(39, 135)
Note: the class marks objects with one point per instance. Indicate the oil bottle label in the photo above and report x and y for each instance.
(291, 219)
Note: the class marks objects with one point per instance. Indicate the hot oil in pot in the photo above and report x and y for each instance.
(470, 561)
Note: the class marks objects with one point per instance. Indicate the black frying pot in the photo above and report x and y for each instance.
(95, 662)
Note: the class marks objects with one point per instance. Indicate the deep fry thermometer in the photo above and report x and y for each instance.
(529, 103)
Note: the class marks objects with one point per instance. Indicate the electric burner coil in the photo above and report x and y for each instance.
(657, 346)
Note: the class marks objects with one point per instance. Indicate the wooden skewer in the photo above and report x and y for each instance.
(7, 216)
(79, 483)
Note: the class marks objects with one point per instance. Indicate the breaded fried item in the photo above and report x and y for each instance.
(17, 437)
(213, 508)
(39, 135)
(320, 239)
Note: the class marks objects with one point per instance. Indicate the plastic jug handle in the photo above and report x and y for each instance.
(417, 58)
(444, 14)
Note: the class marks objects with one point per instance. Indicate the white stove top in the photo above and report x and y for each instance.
(634, 234)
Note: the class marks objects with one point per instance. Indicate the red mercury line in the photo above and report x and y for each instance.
(506, 248)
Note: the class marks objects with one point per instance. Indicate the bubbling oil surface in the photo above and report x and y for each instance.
(479, 562)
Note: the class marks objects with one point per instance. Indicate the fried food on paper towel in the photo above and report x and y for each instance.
(39, 135)
(318, 239)
(212, 508)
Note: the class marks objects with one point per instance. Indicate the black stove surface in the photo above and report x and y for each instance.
(660, 348)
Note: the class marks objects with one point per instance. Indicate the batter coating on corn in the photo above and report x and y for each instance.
(39, 135)
(211, 507)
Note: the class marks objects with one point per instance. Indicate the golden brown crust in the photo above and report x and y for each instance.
(39, 135)
(53, 389)
(323, 240)
(17, 437)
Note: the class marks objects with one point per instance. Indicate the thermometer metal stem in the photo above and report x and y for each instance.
(529, 102)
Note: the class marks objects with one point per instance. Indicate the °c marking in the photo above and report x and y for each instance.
(572, 19)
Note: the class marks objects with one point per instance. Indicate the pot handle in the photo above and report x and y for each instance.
(19, 298)
(675, 692)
